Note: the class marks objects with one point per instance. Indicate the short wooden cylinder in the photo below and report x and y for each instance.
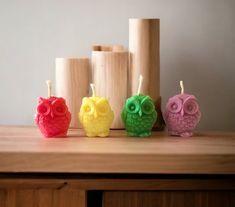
(144, 48)
(110, 68)
(72, 83)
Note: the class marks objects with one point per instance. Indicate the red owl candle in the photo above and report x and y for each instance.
(182, 114)
(52, 116)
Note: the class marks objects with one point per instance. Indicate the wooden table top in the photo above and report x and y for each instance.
(23, 149)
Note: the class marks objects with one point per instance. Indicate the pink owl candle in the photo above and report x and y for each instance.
(52, 116)
(182, 114)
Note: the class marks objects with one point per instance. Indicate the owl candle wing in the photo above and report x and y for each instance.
(155, 115)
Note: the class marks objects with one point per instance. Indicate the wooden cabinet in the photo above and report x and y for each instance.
(43, 197)
(159, 171)
(170, 199)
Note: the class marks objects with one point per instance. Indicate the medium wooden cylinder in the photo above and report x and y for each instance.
(110, 68)
(144, 48)
(72, 83)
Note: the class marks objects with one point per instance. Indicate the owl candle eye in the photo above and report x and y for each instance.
(190, 106)
(87, 106)
(102, 110)
(174, 105)
(147, 106)
(59, 107)
(102, 106)
(132, 105)
(43, 108)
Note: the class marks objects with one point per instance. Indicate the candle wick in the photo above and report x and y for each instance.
(48, 82)
(182, 87)
(93, 89)
(140, 85)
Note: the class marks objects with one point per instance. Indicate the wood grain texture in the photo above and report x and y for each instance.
(23, 149)
(2, 198)
(119, 184)
(72, 83)
(110, 67)
(36, 197)
(144, 48)
(169, 199)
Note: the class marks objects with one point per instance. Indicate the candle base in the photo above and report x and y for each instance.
(182, 134)
(143, 134)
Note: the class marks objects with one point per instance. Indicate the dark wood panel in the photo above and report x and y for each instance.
(45, 198)
(42, 198)
(2, 198)
(25, 198)
(169, 199)
(69, 198)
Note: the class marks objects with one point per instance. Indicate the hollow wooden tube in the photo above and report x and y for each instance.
(110, 68)
(144, 54)
(72, 83)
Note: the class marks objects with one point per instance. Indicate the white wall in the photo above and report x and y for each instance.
(197, 45)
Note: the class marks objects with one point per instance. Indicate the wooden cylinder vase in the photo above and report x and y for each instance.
(110, 68)
(72, 83)
(144, 48)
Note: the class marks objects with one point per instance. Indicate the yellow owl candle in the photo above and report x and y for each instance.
(96, 115)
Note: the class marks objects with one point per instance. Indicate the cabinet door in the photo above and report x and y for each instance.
(169, 199)
(41, 197)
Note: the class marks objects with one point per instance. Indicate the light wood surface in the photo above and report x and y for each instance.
(110, 67)
(23, 149)
(72, 83)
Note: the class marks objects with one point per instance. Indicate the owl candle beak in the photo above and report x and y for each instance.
(52, 114)
(95, 114)
(182, 112)
(140, 113)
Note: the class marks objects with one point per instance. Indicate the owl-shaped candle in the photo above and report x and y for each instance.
(139, 114)
(182, 114)
(52, 116)
(96, 115)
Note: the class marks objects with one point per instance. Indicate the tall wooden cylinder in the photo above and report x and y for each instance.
(110, 68)
(144, 48)
(72, 83)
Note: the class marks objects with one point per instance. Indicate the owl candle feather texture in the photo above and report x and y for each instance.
(182, 114)
(139, 114)
(96, 115)
(52, 116)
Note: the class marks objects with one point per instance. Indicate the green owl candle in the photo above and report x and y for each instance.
(139, 114)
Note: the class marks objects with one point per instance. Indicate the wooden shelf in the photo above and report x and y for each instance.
(23, 149)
